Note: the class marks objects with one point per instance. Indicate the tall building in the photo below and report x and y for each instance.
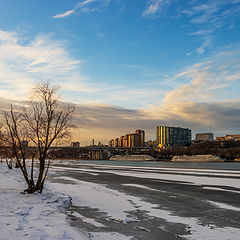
(125, 141)
(133, 140)
(115, 142)
(173, 136)
(120, 141)
(141, 137)
(110, 144)
(204, 137)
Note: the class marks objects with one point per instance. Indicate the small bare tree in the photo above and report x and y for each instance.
(45, 121)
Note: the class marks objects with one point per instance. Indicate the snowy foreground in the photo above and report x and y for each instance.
(32, 216)
(47, 215)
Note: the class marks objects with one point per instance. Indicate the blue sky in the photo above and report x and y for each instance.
(147, 57)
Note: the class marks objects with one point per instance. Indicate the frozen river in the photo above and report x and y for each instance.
(152, 200)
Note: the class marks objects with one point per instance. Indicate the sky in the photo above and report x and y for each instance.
(127, 64)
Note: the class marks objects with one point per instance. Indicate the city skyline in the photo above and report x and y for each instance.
(127, 64)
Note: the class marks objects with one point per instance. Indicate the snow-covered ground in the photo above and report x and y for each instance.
(32, 216)
(40, 216)
(47, 216)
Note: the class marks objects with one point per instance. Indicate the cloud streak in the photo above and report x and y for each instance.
(154, 6)
(214, 13)
(209, 80)
(63, 15)
(83, 6)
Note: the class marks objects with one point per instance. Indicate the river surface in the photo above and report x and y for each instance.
(160, 164)
(114, 200)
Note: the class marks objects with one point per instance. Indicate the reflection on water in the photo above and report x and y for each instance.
(203, 165)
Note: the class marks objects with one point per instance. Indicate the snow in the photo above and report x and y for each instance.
(210, 180)
(44, 216)
(118, 205)
(32, 216)
(221, 189)
(156, 168)
(97, 196)
(140, 186)
(108, 236)
(85, 219)
(41, 216)
(225, 206)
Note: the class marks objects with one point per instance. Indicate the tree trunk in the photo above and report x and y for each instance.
(39, 185)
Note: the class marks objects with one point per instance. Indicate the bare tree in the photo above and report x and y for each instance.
(45, 121)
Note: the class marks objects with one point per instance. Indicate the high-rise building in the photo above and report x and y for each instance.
(115, 142)
(132, 140)
(125, 141)
(120, 141)
(173, 136)
(141, 138)
(110, 143)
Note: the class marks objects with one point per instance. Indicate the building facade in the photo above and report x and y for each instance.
(75, 144)
(141, 137)
(132, 140)
(235, 137)
(204, 137)
(173, 136)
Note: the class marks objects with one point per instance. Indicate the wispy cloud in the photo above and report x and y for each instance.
(202, 32)
(213, 13)
(83, 6)
(209, 80)
(66, 14)
(208, 16)
(154, 6)
(24, 62)
(203, 47)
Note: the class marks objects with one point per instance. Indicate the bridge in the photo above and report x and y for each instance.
(98, 152)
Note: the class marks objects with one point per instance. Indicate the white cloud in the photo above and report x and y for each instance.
(154, 6)
(83, 6)
(212, 13)
(202, 32)
(82, 3)
(43, 58)
(9, 37)
(24, 62)
(202, 48)
(208, 81)
(66, 14)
